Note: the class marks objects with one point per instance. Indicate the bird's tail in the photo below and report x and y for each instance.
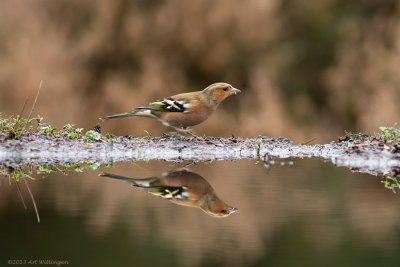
(144, 182)
(116, 116)
(118, 177)
(140, 111)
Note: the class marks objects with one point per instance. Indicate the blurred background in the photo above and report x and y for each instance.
(306, 68)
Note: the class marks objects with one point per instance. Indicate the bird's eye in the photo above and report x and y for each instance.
(225, 89)
(224, 211)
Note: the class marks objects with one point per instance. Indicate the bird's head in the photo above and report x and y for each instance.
(218, 208)
(217, 92)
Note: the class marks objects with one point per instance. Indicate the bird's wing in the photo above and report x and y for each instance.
(177, 103)
(168, 192)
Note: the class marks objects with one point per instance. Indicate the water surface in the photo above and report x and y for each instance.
(308, 213)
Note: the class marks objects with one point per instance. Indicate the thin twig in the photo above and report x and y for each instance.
(33, 107)
(20, 194)
(33, 200)
(309, 141)
(20, 115)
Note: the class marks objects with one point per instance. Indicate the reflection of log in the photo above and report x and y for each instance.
(33, 150)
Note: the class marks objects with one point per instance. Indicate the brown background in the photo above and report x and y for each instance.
(306, 68)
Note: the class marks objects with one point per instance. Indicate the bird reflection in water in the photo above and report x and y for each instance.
(182, 187)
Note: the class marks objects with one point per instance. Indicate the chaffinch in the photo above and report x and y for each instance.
(182, 187)
(184, 110)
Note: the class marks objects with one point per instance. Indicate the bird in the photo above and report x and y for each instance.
(184, 110)
(182, 187)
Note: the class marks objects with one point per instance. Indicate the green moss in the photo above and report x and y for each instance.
(391, 182)
(110, 138)
(92, 165)
(46, 130)
(97, 128)
(27, 172)
(13, 128)
(390, 134)
(71, 133)
(148, 134)
(93, 135)
(349, 136)
(44, 169)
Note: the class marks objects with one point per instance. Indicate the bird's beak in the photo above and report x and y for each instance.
(234, 91)
(232, 209)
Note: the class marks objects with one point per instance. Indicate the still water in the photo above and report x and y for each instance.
(301, 213)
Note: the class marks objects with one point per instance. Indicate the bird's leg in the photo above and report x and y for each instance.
(179, 130)
(188, 164)
(190, 132)
(185, 130)
(184, 167)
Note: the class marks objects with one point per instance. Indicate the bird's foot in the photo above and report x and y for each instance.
(186, 131)
(191, 133)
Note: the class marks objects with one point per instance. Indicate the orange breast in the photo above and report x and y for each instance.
(179, 119)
